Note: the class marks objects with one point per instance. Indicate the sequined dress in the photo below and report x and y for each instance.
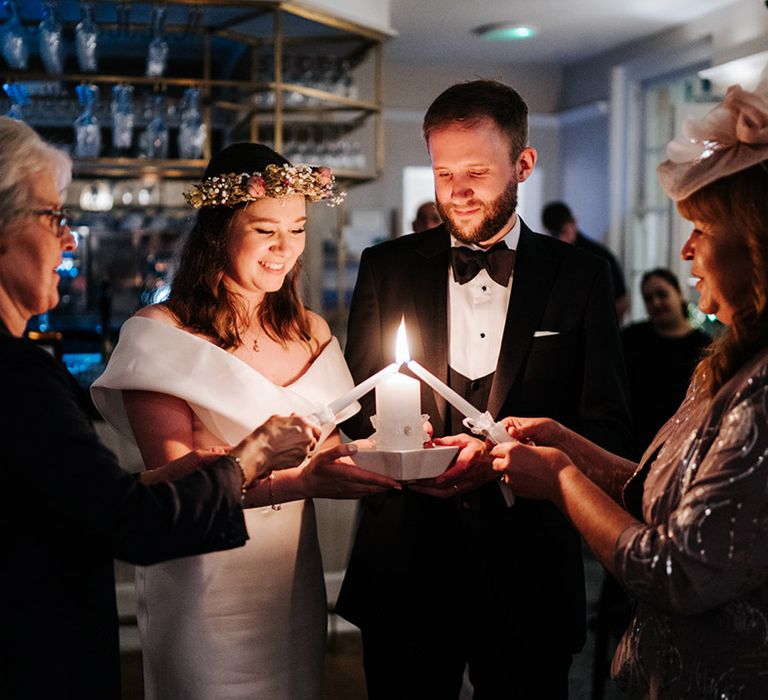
(698, 563)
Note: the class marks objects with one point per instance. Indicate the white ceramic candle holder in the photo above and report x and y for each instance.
(406, 465)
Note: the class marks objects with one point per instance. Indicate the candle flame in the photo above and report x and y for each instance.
(402, 354)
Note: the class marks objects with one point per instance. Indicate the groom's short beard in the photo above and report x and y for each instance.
(497, 213)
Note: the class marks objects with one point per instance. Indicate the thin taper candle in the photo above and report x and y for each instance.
(456, 400)
(338, 405)
(478, 421)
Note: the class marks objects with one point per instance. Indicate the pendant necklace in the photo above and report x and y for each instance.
(255, 347)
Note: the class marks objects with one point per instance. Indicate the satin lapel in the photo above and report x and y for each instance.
(430, 285)
(531, 283)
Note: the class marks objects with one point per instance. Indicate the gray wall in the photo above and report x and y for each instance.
(584, 163)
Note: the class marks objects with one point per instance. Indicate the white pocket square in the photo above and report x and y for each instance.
(542, 334)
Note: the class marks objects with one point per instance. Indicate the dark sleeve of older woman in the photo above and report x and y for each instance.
(51, 450)
(66, 510)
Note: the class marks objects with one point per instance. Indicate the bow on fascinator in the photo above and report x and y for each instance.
(733, 136)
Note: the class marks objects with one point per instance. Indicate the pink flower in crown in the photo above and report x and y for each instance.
(324, 176)
(256, 187)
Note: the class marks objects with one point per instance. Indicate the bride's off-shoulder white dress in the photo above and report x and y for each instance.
(250, 622)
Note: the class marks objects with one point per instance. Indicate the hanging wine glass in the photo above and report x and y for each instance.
(192, 129)
(292, 74)
(154, 140)
(86, 39)
(87, 130)
(18, 95)
(14, 40)
(327, 73)
(349, 88)
(307, 73)
(157, 52)
(122, 117)
(50, 40)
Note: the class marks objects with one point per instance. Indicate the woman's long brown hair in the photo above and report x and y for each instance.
(738, 202)
(201, 301)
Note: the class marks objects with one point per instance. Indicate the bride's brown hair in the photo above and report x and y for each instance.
(200, 300)
(740, 202)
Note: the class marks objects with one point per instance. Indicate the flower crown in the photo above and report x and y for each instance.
(316, 184)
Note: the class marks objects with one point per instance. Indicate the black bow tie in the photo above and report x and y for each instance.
(499, 261)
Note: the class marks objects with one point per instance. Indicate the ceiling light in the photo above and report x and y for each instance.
(505, 31)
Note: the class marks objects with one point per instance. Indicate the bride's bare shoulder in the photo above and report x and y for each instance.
(158, 312)
(319, 328)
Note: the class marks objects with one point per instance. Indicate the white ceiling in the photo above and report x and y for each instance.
(432, 31)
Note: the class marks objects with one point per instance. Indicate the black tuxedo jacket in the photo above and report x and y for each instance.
(424, 558)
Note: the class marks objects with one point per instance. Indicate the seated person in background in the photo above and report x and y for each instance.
(427, 217)
(560, 222)
(660, 355)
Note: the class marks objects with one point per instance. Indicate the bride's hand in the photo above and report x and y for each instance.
(331, 474)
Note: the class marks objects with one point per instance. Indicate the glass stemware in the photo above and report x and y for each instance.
(348, 86)
(14, 40)
(192, 130)
(50, 40)
(86, 40)
(17, 94)
(87, 130)
(157, 51)
(122, 117)
(154, 140)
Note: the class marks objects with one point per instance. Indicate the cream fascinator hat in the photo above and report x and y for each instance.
(733, 136)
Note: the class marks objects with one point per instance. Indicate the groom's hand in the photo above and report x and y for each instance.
(472, 469)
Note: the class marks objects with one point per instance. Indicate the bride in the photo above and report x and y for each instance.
(232, 346)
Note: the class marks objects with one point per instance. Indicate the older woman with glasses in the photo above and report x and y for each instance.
(66, 507)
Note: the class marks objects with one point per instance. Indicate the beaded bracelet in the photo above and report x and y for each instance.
(272, 504)
(238, 463)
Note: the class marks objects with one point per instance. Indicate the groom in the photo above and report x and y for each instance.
(447, 573)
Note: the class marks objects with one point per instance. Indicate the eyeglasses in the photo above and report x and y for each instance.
(59, 219)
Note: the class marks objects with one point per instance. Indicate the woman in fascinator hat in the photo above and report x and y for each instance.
(684, 530)
(233, 343)
(731, 137)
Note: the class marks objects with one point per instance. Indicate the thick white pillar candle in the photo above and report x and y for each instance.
(398, 414)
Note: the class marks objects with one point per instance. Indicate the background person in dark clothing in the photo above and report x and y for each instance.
(660, 355)
(427, 217)
(558, 219)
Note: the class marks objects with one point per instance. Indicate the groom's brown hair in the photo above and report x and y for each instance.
(467, 104)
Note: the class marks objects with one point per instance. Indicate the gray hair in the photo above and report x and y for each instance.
(23, 155)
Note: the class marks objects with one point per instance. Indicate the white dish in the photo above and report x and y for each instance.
(406, 465)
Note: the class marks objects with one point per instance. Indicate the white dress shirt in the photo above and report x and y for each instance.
(477, 312)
